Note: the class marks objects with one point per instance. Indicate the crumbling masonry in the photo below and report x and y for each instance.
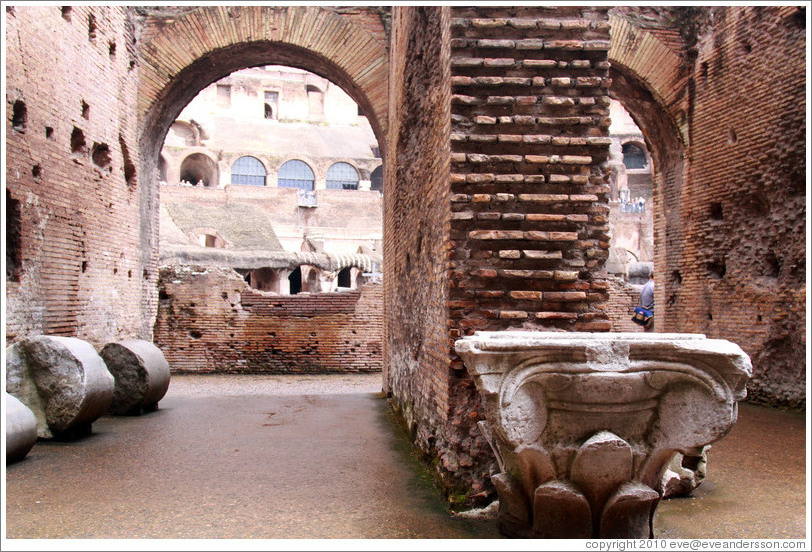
(492, 124)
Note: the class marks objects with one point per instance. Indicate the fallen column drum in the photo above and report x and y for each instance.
(21, 429)
(141, 373)
(64, 382)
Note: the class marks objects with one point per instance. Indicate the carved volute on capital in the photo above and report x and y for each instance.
(584, 425)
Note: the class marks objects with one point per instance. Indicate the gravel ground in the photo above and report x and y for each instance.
(264, 384)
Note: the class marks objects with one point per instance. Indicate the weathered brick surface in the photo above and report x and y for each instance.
(417, 350)
(527, 236)
(744, 209)
(727, 223)
(210, 320)
(71, 153)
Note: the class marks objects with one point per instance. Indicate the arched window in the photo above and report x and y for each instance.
(634, 157)
(248, 170)
(377, 179)
(199, 168)
(342, 176)
(345, 278)
(296, 174)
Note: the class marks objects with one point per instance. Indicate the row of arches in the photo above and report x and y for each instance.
(303, 279)
(200, 169)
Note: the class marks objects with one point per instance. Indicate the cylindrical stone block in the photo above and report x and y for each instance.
(21, 429)
(64, 382)
(141, 373)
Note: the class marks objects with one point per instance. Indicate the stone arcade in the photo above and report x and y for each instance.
(493, 130)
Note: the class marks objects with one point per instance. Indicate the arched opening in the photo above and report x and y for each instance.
(295, 280)
(227, 62)
(345, 278)
(199, 170)
(248, 170)
(342, 176)
(634, 157)
(666, 151)
(296, 174)
(264, 279)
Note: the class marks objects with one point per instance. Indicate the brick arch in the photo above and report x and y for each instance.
(212, 42)
(205, 44)
(648, 78)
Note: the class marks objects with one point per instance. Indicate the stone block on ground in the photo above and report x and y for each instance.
(141, 374)
(21, 429)
(64, 382)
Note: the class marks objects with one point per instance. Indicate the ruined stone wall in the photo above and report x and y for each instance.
(210, 320)
(529, 233)
(743, 273)
(417, 347)
(71, 158)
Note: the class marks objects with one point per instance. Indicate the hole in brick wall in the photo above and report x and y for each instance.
(759, 318)
(85, 110)
(132, 65)
(129, 166)
(710, 316)
(772, 265)
(162, 295)
(111, 50)
(84, 266)
(101, 156)
(115, 271)
(717, 269)
(78, 146)
(224, 295)
(732, 137)
(716, 212)
(13, 235)
(195, 334)
(129, 274)
(36, 171)
(19, 116)
(66, 12)
(704, 70)
(146, 274)
(676, 277)
(408, 263)
(49, 132)
(746, 47)
(91, 27)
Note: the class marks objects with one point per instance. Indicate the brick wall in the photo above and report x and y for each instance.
(743, 212)
(416, 214)
(719, 94)
(71, 158)
(209, 320)
(528, 118)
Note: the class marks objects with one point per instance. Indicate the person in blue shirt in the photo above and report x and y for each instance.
(647, 300)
